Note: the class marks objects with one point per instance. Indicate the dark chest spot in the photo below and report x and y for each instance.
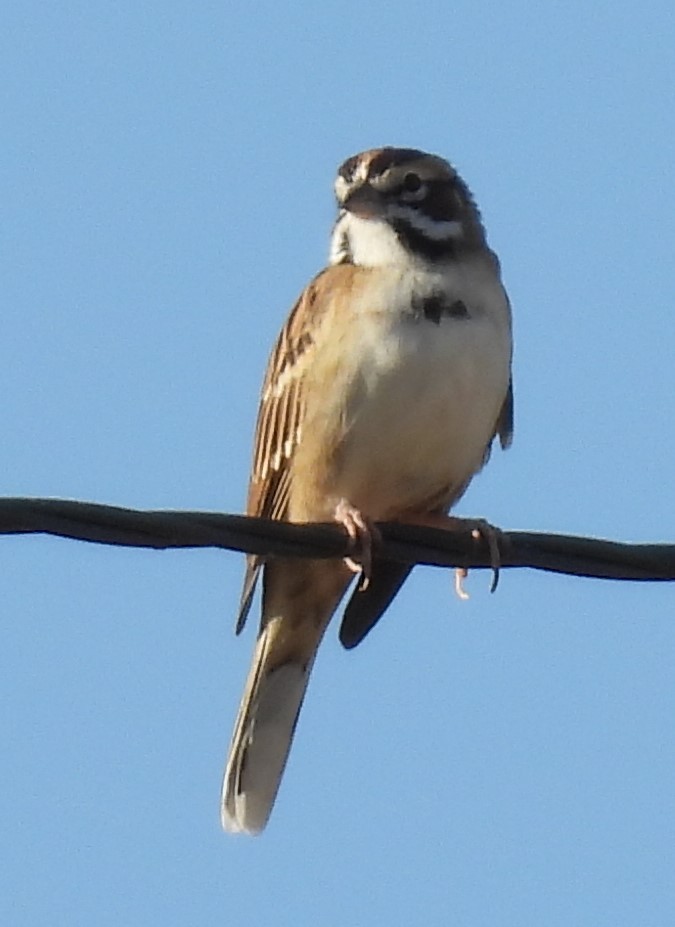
(435, 307)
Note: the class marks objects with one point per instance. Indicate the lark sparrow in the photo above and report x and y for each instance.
(383, 394)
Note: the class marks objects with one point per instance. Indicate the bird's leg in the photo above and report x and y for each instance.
(479, 528)
(362, 532)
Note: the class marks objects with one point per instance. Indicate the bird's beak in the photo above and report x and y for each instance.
(365, 202)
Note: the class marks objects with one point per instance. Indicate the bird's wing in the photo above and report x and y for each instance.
(280, 417)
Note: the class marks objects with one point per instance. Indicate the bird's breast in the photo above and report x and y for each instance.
(424, 395)
(416, 396)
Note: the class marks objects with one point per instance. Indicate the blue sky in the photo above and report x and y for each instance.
(166, 193)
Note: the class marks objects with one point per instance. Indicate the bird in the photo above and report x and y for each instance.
(384, 392)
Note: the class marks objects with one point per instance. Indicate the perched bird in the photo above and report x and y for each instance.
(383, 394)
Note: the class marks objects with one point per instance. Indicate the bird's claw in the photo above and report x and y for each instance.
(362, 532)
(480, 529)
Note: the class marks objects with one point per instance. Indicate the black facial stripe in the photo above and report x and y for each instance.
(417, 242)
(443, 200)
(447, 200)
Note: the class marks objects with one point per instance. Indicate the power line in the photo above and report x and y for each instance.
(105, 524)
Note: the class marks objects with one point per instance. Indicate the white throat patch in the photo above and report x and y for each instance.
(368, 242)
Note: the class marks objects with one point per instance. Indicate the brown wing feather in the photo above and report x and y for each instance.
(280, 417)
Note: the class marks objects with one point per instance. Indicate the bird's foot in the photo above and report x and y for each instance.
(362, 532)
(480, 529)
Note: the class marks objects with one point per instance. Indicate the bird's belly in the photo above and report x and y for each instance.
(421, 416)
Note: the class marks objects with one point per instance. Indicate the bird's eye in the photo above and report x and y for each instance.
(412, 183)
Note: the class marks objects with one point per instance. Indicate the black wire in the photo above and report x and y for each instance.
(106, 524)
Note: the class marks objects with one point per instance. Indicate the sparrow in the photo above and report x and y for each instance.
(383, 394)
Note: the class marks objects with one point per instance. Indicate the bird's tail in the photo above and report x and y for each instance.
(263, 731)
